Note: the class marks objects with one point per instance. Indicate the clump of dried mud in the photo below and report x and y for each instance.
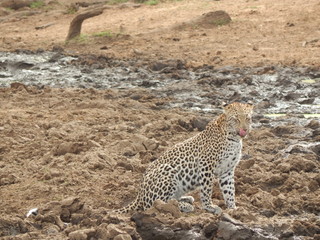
(76, 153)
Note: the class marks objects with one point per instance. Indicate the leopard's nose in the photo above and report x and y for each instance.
(242, 132)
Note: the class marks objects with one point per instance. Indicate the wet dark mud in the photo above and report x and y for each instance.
(276, 89)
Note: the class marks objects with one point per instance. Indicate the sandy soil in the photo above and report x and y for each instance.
(76, 153)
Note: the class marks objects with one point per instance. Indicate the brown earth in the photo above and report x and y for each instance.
(262, 32)
(75, 153)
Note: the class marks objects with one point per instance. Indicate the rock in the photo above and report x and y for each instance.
(210, 230)
(76, 218)
(149, 226)
(277, 179)
(123, 236)
(313, 185)
(217, 18)
(102, 231)
(126, 164)
(307, 101)
(12, 225)
(170, 207)
(158, 66)
(316, 149)
(314, 124)
(19, 86)
(283, 130)
(185, 125)
(77, 235)
(298, 165)
(292, 96)
(137, 143)
(316, 134)
(284, 167)
(247, 164)
(304, 228)
(4, 12)
(8, 179)
(226, 217)
(82, 234)
(68, 147)
(229, 231)
(16, 4)
(114, 231)
(53, 230)
(268, 213)
(200, 123)
(207, 20)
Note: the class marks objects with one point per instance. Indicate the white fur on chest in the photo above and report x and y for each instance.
(229, 158)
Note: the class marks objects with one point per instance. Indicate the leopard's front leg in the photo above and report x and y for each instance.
(206, 180)
(226, 183)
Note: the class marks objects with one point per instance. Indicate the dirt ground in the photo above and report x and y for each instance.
(261, 32)
(76, 153)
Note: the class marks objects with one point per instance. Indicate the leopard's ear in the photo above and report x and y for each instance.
(224, 106)
(250, 104)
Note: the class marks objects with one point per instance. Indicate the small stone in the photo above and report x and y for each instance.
(216, 18)
(268, 213)
(138, 52)
(114, 231)
(123, 236)
(158, 66)
(82, 234)
(170, 207)
(228, 230)
(76, 218)
(314, 124)
(210, 230)
(16, 4)
(199, 123)
(228, 218)
(67, 147)
(247, 164)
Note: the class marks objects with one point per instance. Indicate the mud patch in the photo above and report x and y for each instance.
(274, 89)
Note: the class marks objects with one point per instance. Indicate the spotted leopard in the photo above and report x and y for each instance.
(194, 163)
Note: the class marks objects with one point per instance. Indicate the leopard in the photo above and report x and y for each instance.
(196, 162)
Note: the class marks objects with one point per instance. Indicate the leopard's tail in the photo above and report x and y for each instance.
(133, 206)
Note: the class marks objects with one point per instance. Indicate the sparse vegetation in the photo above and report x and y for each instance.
(220, 22)
(154, 2)
(117, 1)
(71, 9)
(83, 38)
(37, 4)
(9, 9)
(151, 2)
(103, 34)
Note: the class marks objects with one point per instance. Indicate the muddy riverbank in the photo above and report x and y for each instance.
(77, 132)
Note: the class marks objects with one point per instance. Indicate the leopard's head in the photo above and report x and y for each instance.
(238, 117)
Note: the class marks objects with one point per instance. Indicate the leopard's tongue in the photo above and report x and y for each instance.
(242, 132)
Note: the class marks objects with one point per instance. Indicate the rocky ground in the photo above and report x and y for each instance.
(79, 124)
